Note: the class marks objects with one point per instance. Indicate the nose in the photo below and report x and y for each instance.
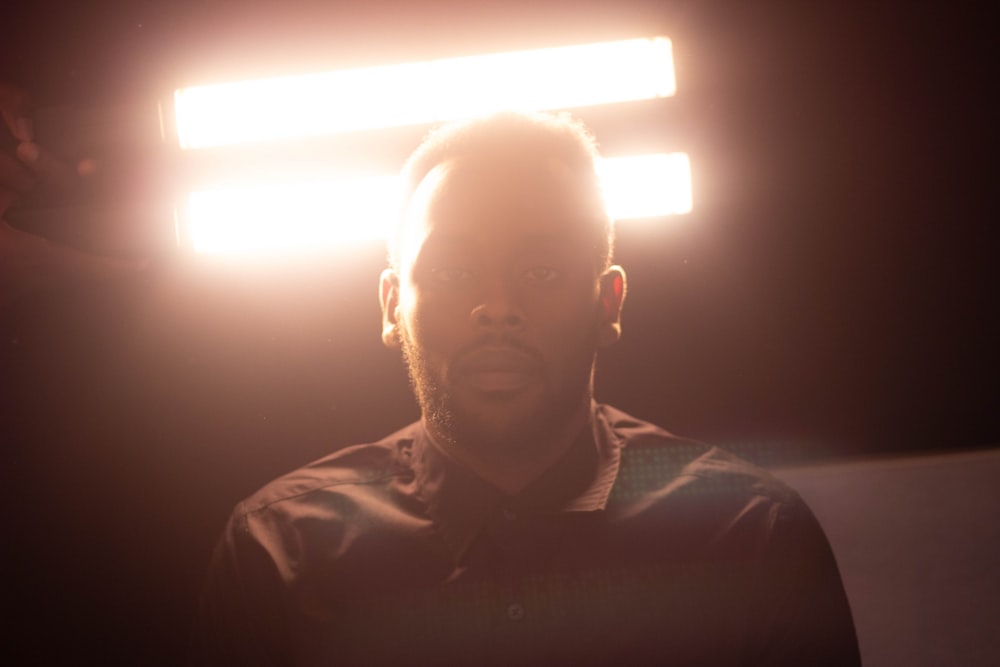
(499, 309)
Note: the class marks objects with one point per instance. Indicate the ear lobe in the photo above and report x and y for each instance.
(612, 298)
(389, 300)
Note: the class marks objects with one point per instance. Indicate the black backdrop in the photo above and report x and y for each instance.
(830, 296)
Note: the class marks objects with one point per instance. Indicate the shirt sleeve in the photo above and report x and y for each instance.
(240, 620)
(802, 615)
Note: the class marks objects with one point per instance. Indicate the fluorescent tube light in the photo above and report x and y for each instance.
(320, 213)
(646, 186)
(423, 92)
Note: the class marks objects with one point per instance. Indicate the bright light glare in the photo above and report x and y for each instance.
(293, 216)
(424, 92)
(326, 213)
(646, 186)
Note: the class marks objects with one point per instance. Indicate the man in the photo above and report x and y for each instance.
(518, 523)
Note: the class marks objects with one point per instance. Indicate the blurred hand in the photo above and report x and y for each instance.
(30, 263)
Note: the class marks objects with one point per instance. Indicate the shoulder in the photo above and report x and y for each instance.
(654, 459)
(364, 465)
(703, 498)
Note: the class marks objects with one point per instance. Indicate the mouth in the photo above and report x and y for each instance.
(498, 370)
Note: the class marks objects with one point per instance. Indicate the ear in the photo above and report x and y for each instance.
(611, 299)
(388, 294)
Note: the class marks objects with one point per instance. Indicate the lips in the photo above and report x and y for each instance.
(498, 369)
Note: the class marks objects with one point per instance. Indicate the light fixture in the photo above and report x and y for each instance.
(646, 186)
(317, 213)
(423, 92)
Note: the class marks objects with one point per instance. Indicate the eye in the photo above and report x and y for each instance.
(451, 275)
(541, 274)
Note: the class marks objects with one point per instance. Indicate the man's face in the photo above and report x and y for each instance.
(498, 305)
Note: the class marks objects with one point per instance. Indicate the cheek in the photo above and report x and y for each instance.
(568, 328)
(436, 325)
(571, 312)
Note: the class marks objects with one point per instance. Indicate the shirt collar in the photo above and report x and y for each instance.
(460, 503)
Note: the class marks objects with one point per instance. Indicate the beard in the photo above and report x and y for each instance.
(509, 426)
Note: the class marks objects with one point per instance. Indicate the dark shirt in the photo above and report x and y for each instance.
(643, 549)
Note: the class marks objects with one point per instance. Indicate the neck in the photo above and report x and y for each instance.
(511, 470)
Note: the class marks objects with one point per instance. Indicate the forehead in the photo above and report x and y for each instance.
(499, 203)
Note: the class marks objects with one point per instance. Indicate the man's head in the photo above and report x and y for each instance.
(500, 289)
(514, 135)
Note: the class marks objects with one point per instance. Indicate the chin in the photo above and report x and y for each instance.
(510, 421)
(470, 415)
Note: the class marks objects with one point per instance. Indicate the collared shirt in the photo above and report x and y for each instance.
(636, 548)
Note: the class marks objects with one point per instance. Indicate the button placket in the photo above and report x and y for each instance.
(507, 531)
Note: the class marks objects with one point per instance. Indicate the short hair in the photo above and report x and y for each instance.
(511, 134)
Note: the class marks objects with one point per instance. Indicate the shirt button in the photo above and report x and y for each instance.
(510, 515)
(515, 611)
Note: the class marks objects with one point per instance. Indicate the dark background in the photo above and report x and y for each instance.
(831, 295)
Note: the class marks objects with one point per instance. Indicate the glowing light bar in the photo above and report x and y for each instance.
(292, 216)
(424, 92)
(324, 213)
(646, 186)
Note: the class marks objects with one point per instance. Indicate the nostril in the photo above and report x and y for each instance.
(504, 318)
(481, 316)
